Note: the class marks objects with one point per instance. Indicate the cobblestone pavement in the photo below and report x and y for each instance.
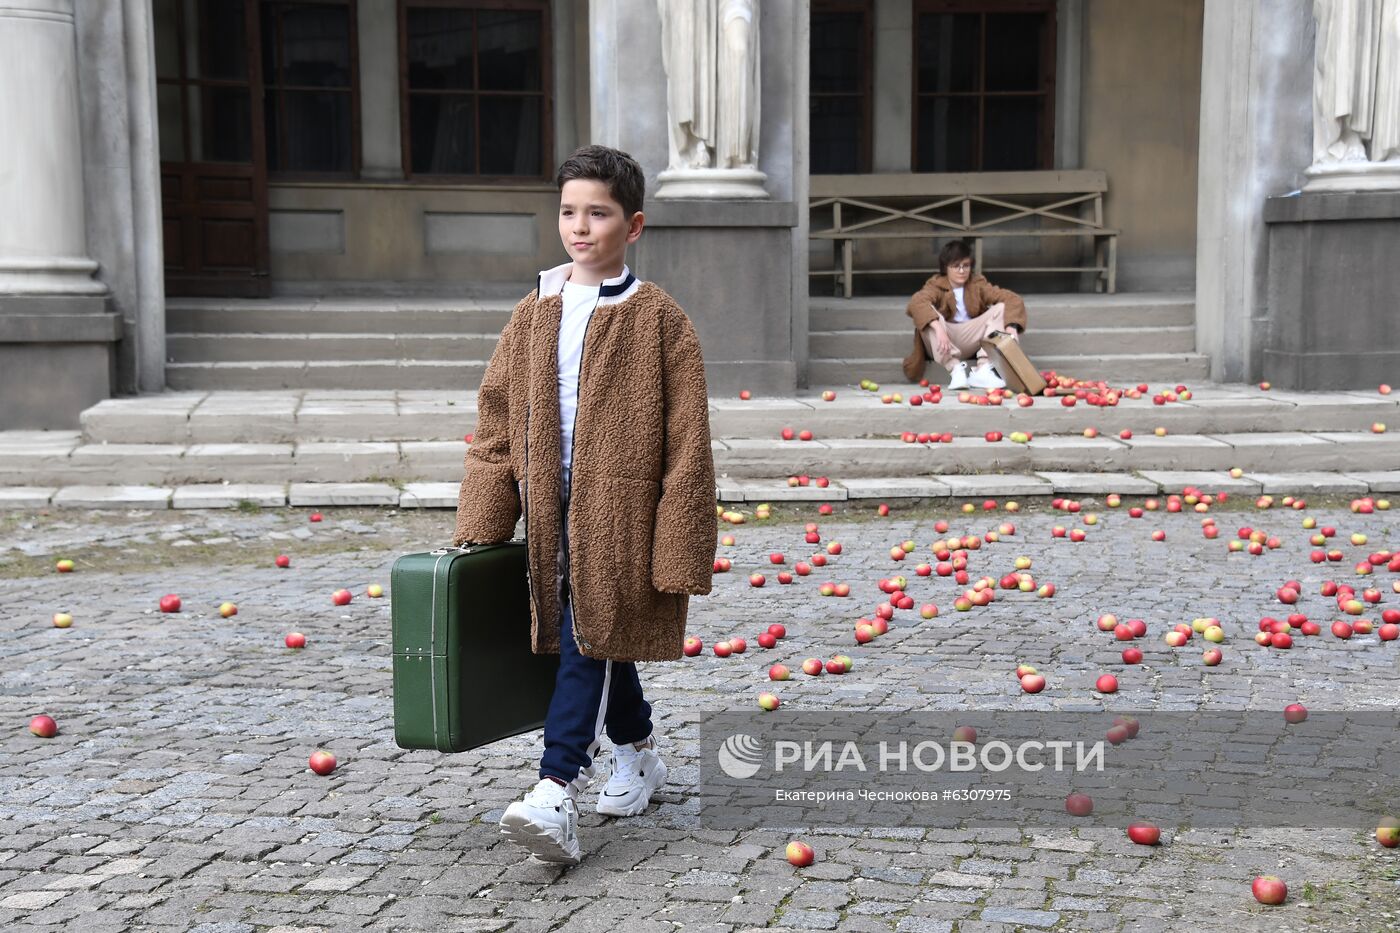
(176, 795)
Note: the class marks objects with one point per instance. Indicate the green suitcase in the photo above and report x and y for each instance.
(464, 674)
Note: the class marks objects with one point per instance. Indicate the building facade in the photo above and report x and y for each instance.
(256, 148)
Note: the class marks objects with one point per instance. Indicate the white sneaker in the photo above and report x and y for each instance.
(545, 823)
(986, 377)
(959, 377)
(636, 775)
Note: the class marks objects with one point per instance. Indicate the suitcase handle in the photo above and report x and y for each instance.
(468, 547)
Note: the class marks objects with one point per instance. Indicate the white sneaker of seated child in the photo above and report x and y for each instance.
(986, 376)
(545, 823)
(637, 773)
(959, 376)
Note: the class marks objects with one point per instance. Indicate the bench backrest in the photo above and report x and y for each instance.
(893, 185)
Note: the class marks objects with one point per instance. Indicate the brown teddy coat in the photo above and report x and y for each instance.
(936, 298)
(641, 516)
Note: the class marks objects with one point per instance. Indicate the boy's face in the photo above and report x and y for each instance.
(594, 229)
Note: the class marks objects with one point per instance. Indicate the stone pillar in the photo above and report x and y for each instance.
(1254, 142)
(381, 148)
(736, 266)
(1327, 319)
(55, 337)
(893, 116)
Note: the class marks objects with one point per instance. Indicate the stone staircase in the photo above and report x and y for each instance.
(331, 343)
(427, 343)
(1124, 338)
(408, 436)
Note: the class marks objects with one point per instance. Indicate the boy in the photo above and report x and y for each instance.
(952, 314)
(593, 421)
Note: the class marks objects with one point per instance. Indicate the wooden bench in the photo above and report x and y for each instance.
(974, 206)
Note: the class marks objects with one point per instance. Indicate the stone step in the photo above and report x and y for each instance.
(444, 495)
(336, 316)
(1064, 341)
(384, 415)
(1117, 368)
(384, 374)
(1044, 312)
(282, 347)
(58, 462)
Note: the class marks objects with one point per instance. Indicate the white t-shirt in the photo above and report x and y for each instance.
(579, 302)
(961, 314)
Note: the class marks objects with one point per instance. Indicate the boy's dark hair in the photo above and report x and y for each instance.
(615, 168)
(951, 254)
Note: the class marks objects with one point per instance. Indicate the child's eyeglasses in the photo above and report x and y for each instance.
(962, 267)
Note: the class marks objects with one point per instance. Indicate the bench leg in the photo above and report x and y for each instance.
(1112, 264)
(836, 264)
(847, 261)
(1100, 260)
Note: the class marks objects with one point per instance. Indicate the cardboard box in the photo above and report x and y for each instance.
(1005, 352)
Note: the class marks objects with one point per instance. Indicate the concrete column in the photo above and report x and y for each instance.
(381, 149)
(55, 337)
(121, 167)
(1069, 83)
(894, 87)
(1255, 141)
(568, 77)
(43, 241)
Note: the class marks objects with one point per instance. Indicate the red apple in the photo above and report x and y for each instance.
(1269, 889)
(1106, 683)
(1212, 657)
(722, 649)
(813, 667)
(738, 645)
(170, 603)
(295, 640)
(766, 640)
(800, 854)
(1144, 834)
(283, 561)
(693, 646)
(314, 516)
(777, 630)
(341, 598)
(43, 726)
(322, 762)
(756, 579)
(1079, 805)
(779, 672)
(1295, 712)
(1033, 683)
(1132, 655)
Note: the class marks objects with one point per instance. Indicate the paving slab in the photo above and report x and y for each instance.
(337, 462)
(245, 417)
(1297, 450)
(994, 484)
(1315, 483)
(1173, 452)
(265, 463)
(1379, 449)
(896, 487)
(432, 461)
(304, 494)
(429, 495)
(1086, 484)
(778, 490)
(1381, 481)
(25, 497)
(227, 496)
(728, 490)
(113, 497)
(1207, 481)
(146, 419)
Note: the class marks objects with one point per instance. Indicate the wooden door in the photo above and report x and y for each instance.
(213, 153)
